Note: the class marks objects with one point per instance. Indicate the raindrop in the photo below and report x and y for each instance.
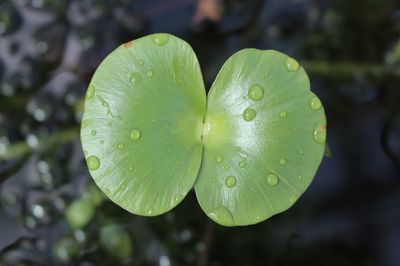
(283, 114)
(120, 146)
(221, 214)
(282, 161)
(320, 133)
(130, 168)
(94, 132)
(291, 64)
(219, 159)
(178, 198)
(237, 148)
(226, 167)
(141, 62)
(242, 164)
(160, 39)
(230, 181)
(83, 125)
(249, 114)
(272, 180)
(135, 134)
(256, 92)
(136, 78)
(301, 152)
(149, 73)
(90, 92)
(315, 103)
(93, 162)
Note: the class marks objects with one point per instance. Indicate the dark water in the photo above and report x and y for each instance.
(350, 215)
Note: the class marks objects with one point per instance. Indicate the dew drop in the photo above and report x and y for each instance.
(136, 78)
(292, 199)
(230, 181)
(94, 132)
(256, 92)
(120, 146)
(315, 103)
(319, 133)
(242, 164)
(283, 114)
(90, 92)
(222, 215)
(130, 168)
(237, 148)
(272, 180)
(178, 198)
(300, 177)
(226, 167)
(249, 114)
(160, 38)
(93, 162)
(83, 125)
(141, 62)
(149, 73)
(282, 161)
(291, 64)
(135, 134)
(219, 159)
(301, 152)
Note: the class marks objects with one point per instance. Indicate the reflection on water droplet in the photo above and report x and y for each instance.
(300, 177)
(292, 199)
(283, 114)
(120, 146)
(226, 167)
(136, 78)
(149, 73)
(219, 159)
(83, 125)
(256, 92)
(178, 197)
(282, 161)
(230, 181)
(222, 215)
(94, 132)
(135, 134)
(315, 103)
(93, 162)
(242, 164)
(249, 114)
(90, 92)
(141, 62)
(320, 133)
(160, 38)
(130, 168)
(291, 64)
(272, 180)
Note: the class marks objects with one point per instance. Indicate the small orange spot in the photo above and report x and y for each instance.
(127, 44)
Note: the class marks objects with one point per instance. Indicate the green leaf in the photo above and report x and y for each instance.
(264, 138)
(141, 128)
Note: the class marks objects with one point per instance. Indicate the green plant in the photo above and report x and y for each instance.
(250, 150)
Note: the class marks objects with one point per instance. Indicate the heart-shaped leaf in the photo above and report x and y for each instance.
(143, 133)
(141, 128)
(264, 138)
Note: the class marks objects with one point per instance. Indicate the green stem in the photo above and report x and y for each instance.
(22, 148)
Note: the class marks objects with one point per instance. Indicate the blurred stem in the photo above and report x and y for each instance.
(348, 69)
(207, 240)
(22, 148)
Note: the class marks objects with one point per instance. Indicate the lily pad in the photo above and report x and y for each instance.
(145, 141)
(142, 121)
(264, 138)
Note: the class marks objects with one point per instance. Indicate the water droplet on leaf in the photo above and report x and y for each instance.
(282, 161)
(136, 78)
(291, 64)
(319, 133)
(219, 159)
(242, 164)
(256, 92)
(94, 132)
(141, 62)
(249, 114)
(272, 180)
(283, 114)
(90, 92)
(160, 39)
(230, 181)
(120, 146)
(93, 162)
(315, 103)
(149, 73)
(135, 134)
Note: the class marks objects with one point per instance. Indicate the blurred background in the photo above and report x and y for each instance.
(51, 213)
